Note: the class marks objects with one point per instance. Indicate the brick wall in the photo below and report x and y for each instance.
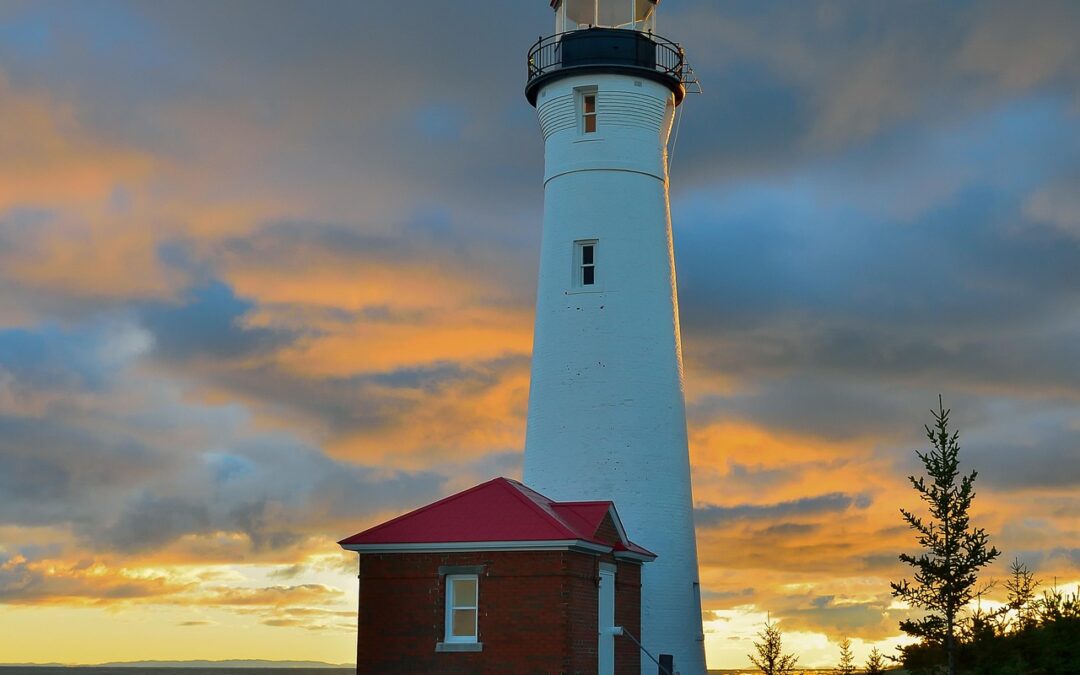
(537, 613)
(607, 531)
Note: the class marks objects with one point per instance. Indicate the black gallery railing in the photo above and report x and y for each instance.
(606, 46)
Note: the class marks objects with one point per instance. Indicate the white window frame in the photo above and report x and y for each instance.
(451, 605)
(583, 93)
(580, 264)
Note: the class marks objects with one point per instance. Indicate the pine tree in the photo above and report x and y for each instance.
(770, 657)
(953, 551)
(847, 660)
(875, 665)
(1021, 586)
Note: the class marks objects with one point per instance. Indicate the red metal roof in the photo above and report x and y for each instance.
(500, 510)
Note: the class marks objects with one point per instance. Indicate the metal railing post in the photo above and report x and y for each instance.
(666, 663)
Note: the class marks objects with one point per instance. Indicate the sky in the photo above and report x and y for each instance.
(267, 278)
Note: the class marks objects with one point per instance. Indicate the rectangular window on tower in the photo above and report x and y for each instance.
(585, 263)
(588, 112)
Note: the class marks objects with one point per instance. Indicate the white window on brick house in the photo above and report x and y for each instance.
(462, 592)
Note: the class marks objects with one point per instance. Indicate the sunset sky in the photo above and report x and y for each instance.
(267, 277)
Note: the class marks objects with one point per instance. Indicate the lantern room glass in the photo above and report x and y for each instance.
(639, 15)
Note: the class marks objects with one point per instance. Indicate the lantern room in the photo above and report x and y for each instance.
(571, 15)
(605, 36)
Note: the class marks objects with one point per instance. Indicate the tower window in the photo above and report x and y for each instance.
(585, 263)
(588, 112)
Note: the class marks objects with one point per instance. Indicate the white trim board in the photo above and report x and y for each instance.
(466, 546)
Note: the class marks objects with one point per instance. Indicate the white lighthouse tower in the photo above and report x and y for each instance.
(607, 416)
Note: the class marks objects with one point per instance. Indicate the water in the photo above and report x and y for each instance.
(120, 670)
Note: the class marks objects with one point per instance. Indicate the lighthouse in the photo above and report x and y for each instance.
(607, 415)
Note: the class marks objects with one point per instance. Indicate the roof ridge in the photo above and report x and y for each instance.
(408, 514)
(531, 503)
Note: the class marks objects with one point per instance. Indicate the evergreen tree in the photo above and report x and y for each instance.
(847, 660)
(770, 657)
(875, 665)
(1021, 586)
(953, 551)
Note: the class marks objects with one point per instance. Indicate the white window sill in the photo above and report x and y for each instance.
(459, 646)
(583, 291)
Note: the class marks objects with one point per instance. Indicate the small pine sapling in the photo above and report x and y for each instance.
(770, 658)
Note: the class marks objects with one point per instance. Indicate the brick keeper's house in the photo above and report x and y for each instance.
(500, 579)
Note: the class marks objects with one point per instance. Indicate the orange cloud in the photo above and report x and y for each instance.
(98, 258)
(85, 247)
(471, 335)
(272, 596)
(737, 462)
(50, 161)
(456, 424)
(49, 582)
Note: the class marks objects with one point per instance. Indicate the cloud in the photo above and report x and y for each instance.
(61, 474)
(1058, 205)
(270, 596)
(151, 522)
(80, 358)
(65, 231)
(782, 86)
(266, 500)
(868, 620)
(1023, 49)
(210, 325)
(36, 582)
(52, 160)
(312, 618)
(828, 503)
(1048, 458)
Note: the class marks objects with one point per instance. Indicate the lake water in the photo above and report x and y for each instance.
(113, 670)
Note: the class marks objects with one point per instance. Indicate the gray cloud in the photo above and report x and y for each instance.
(369, 403)
(788, 530)
(208, 326)
(834, 75)
(149, 522)
(135, 477)
(1046, 457)
(834, 502)
(868, 620)
(54, 473)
